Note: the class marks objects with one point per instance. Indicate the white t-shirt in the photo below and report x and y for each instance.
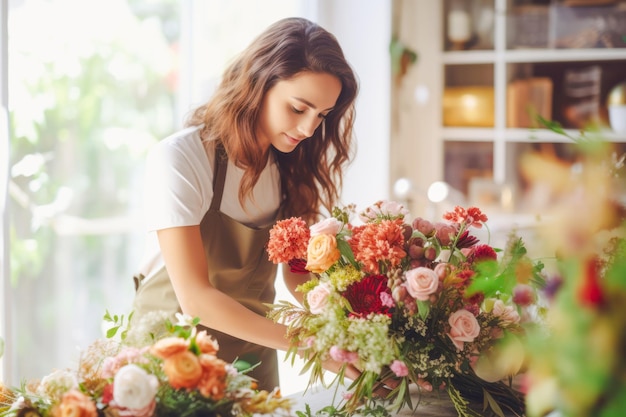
(179, 189)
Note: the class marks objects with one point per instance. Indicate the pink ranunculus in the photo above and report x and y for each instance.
(463, 328)
(329, 226)
(399, 368)
(421, 282)
(318, 298)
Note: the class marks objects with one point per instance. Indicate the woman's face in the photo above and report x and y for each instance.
(292, 109)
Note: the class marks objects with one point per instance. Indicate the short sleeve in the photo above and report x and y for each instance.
(177, 184)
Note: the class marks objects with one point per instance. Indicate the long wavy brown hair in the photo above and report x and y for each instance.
(311, 175)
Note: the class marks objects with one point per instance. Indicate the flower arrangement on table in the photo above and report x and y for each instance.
(578, 367)
(177, 374)
(423, 303)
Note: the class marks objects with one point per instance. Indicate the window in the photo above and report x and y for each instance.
(92, 85)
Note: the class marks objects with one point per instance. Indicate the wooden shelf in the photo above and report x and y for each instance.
(532, 55)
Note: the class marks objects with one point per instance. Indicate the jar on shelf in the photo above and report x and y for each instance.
(459, 23)
(616, 105)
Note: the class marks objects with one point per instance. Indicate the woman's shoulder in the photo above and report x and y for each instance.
(187, 139)
(182, 151)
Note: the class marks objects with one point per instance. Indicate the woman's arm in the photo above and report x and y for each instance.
(184, 257)
(292, 280)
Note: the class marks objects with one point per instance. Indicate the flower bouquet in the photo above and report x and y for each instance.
(424, 304)
(177, 374)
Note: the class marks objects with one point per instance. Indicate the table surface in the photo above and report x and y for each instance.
(431, 404)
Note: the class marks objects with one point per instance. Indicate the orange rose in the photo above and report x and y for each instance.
(322, 253)
(75, 404)
(183, 369)
(169, 346)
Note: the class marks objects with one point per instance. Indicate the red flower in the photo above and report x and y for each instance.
(365, 296)
(590, 291)
(472, 216)
(466, 240)
(483, 253)
(298, 266)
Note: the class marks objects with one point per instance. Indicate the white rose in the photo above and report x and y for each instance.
(330, 226)
(318, 298)
(421, 282)
(134, 388)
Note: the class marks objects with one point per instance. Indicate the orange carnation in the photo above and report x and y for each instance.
(288, 240)
(376, 243)
(183, 370)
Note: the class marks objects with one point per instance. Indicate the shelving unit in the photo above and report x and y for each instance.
(457, 152)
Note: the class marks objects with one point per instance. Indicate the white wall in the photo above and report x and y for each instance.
(4, 167)
(363, 28)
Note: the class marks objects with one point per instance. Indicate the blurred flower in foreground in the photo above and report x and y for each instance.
(578, 367)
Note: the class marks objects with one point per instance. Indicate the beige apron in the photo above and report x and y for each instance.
(238, 266)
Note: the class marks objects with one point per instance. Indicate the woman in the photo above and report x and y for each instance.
(271, 143)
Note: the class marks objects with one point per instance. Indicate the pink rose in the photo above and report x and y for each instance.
(330, 226)
(322, 253)
(399, 368)
(318, 298)
(463, 328)
(421, 282)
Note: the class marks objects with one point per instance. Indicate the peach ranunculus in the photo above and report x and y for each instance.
(317, 298)
(463, 328)
(322, 253)
(329, 226)
(213, 382)
(75, 404)
(169, 346)
(206, 343)
(183, 370)
(421, 283)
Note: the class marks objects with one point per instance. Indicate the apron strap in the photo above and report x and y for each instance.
(219, 176)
